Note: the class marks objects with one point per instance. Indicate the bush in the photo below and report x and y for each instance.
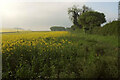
(108, 29)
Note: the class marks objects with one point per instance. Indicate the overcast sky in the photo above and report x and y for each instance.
(42, 15)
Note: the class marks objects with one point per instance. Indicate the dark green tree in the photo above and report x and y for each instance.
(57, 28)
(91, 19)
(74, 12)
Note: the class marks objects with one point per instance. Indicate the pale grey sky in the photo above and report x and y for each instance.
(43, 15)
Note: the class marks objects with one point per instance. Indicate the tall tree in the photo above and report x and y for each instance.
(86, 9)
(74, 12)
(91, 19)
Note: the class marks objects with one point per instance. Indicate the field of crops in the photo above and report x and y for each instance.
(59, 55)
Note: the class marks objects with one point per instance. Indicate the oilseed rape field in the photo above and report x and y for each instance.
(58, 54)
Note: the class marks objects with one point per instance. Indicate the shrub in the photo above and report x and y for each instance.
(108, 29)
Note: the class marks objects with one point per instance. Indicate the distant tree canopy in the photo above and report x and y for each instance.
(57, 28)
(68, 29)
(91, 19)
(74, 12)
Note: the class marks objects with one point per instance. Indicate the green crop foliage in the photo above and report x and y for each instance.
(48, 55)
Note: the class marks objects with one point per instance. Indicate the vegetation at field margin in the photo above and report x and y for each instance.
(43, 55)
